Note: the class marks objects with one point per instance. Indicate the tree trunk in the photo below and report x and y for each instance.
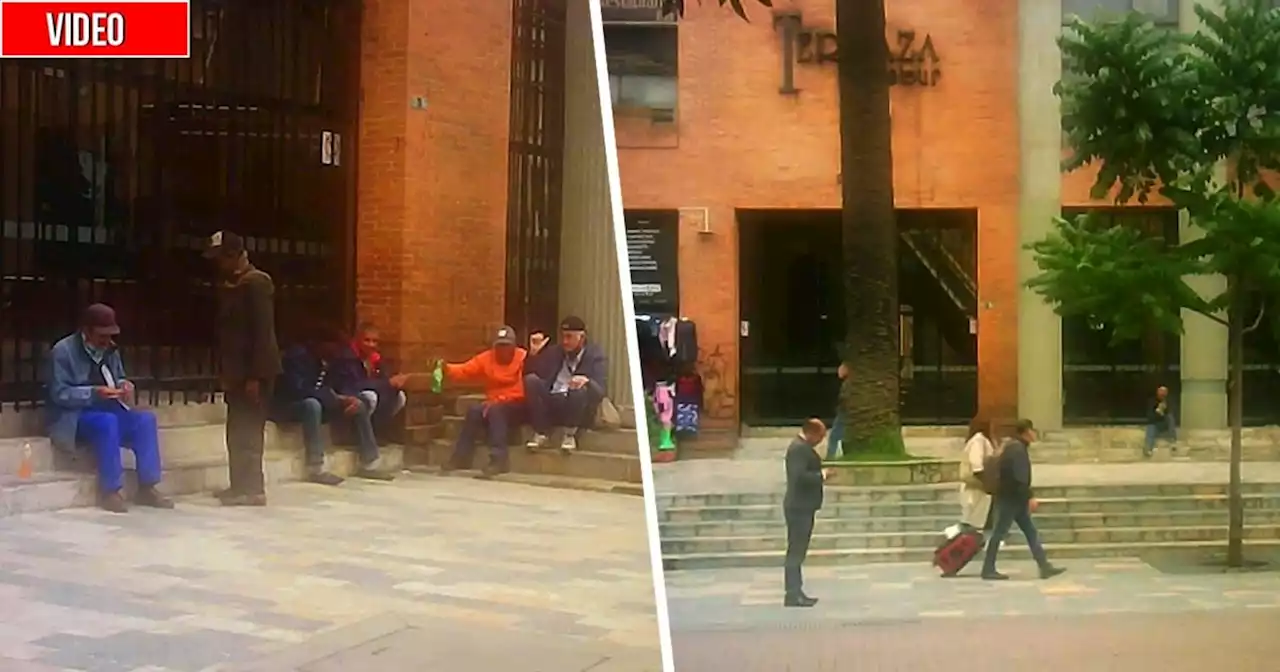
(1235, 415)
(869, 395)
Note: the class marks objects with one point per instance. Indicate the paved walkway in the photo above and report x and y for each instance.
(1102, 615)
(757, 467)
(735, 598)
(1238, 641)
(438, 571)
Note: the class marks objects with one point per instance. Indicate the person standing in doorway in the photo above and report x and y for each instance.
(1160, 422)
(1015, 502)
(836, 437)
(800, 505)
(250, 360)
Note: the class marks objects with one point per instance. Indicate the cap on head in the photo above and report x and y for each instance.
(224, 244)
(573, 323)
(505, 335)
(101, 319)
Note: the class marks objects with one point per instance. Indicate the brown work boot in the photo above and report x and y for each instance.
(149, 496)
(239, 499)
(113, 502)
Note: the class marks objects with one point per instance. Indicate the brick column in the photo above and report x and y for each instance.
(432, 162)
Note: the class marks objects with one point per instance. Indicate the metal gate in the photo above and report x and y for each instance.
(536, 164)
(115, 171)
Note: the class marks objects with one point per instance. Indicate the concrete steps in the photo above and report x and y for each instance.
(194, 460)
(904, 524)
(607, 456)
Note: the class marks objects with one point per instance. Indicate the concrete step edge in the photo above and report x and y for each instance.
(1049, 548)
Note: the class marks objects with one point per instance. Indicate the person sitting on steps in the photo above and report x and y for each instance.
(500, 369)
(564, 384)
(383, 391)
(1160, 422)
(321, 383)
(90, 404)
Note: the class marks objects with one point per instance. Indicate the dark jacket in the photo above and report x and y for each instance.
(375, 377)
(247, 348)
(1154, 418)
(301, 378)
(804, 477)
(594, 365)
(1015, 472)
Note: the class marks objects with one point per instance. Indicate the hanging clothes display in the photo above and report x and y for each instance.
(688, 401)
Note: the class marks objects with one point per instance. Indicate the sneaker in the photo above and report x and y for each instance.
(113, 502)
(570, 441)
(149, 496)
(324, 478)
(1050, 571)
(238, 499)
(538, 441)
(372, 473)
(493, 469)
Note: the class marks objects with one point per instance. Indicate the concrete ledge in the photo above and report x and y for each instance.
(904, 472)
(583, 463)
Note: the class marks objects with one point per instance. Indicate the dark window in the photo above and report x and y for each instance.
(1105, 382)
(643, 69)
(1162, 12)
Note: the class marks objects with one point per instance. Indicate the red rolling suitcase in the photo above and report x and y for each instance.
(960, 543)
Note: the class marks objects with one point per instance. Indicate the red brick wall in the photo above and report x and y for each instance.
(741, 144)
(432, 186)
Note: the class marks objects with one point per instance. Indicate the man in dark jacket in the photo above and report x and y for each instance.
(805, 476)
(1160, 422)
(321, 382)
(564, 384)
(1015, 502)
(250, 361)
(383, 390)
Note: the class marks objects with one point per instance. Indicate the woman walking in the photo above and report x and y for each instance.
(975, 503)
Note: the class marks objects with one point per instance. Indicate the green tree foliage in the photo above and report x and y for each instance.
(1193, 119)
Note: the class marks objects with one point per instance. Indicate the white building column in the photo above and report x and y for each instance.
(590, 286)
(1040, 200)
(1204, 342)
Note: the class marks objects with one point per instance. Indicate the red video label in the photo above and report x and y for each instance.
(101, 29)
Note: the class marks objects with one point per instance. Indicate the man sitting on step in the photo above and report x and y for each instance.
(320, 383)
(91, 404)
(500, 369)
(565, 384)
(383, 391)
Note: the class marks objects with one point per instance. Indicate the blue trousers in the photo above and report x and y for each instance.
(498, 422)
(835, 436)
(106, 431)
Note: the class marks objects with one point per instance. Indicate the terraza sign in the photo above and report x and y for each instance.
(913, 60)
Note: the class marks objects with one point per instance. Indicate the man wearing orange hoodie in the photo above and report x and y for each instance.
(500, 369)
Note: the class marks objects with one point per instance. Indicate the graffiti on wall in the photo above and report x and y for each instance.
(719, 396)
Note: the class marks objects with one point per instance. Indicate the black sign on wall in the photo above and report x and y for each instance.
(653, 249)
(634, 11)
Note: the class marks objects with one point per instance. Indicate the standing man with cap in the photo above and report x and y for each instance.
(564, 384)
(500, 369)
(90, 403)
(250, 361)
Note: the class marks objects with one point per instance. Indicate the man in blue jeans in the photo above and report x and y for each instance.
(1014, 503)
(1160, 422)
(91, 404)
(836, 436)
(320, 383)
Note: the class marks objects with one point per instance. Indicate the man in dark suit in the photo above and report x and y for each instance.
(803, 499)
(1015, 502)
(563, 384)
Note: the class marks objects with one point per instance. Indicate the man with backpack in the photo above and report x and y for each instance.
(1014, 502)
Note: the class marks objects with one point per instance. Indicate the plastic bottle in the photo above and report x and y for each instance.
(25, 467)
(437, 377)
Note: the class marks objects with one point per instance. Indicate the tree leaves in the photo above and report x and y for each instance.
(1164, 113)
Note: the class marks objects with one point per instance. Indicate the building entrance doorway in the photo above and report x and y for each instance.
(793, 319)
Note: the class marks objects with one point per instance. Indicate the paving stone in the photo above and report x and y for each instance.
(183, 590)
